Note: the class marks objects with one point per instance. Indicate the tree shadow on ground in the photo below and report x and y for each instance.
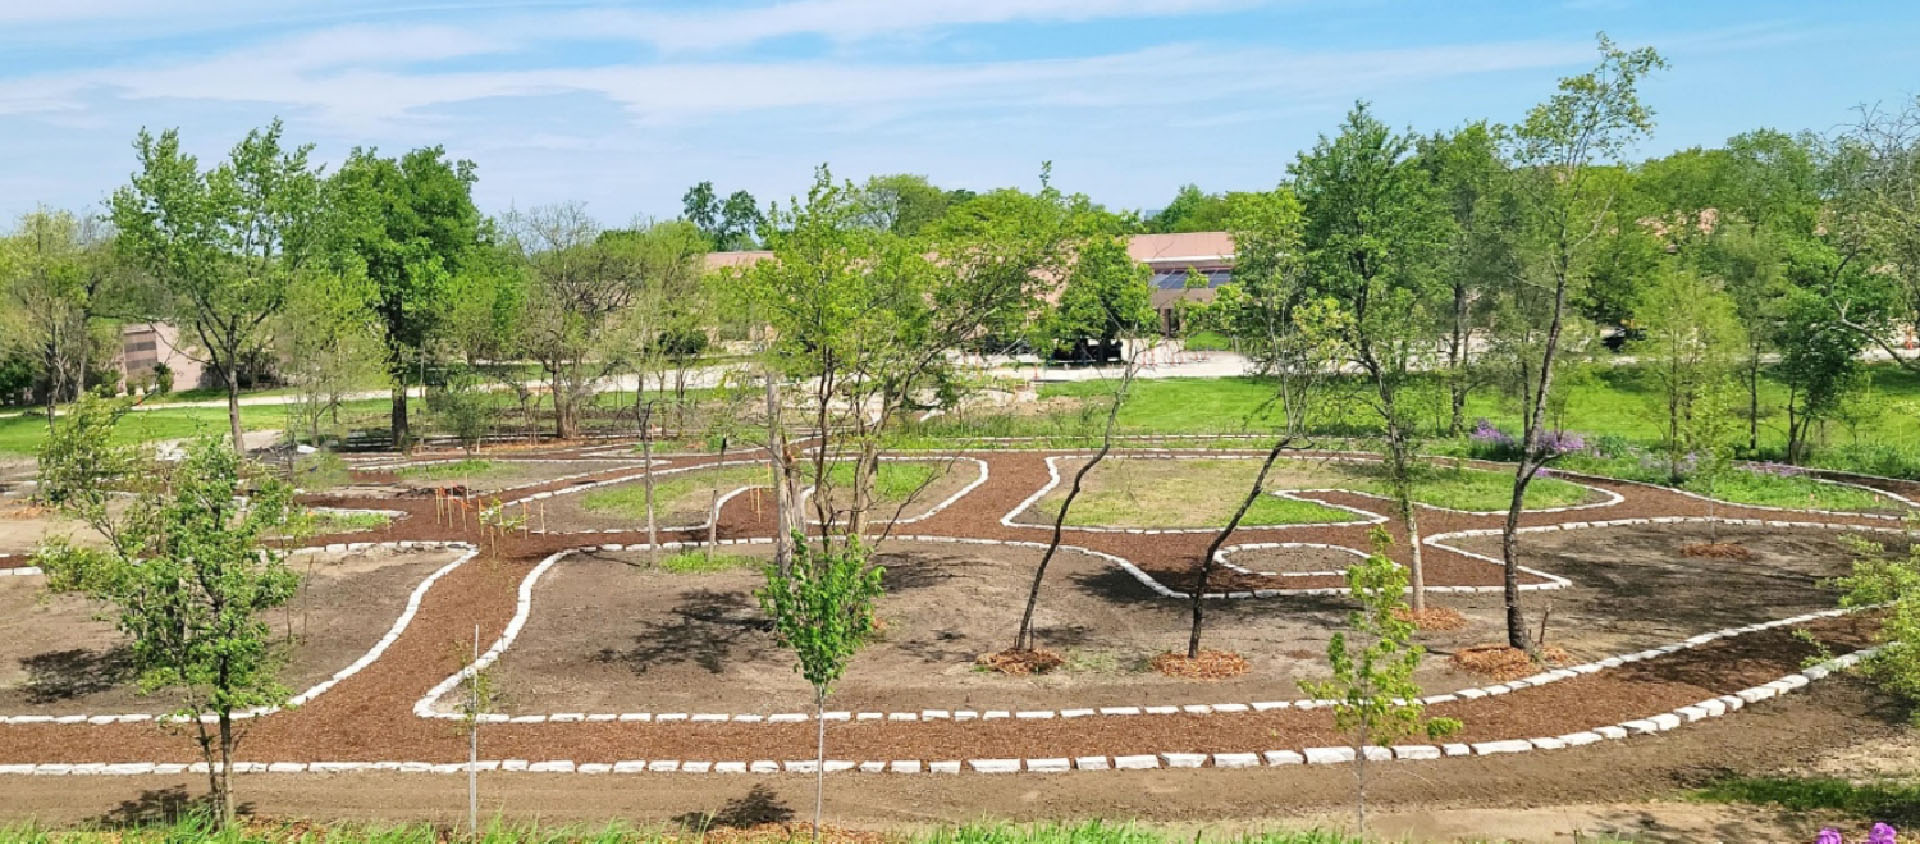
(64, 675)
(707, 628)
(760, 805)
(162, 807)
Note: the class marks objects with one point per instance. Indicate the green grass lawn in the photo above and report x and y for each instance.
(678, 492)
(1202, 492)
(896, 480)
(699, 561)
(1619, 401)
(1797, 492)
(464, 468)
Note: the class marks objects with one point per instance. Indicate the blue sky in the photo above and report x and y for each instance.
(623, 106)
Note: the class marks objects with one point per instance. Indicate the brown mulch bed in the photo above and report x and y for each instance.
(1717, 551)
(1019, 661)
(1502, 663)
(1209, 665)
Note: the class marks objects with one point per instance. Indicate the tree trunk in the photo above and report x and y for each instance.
(1753, 404)
(646, 475)
(1530, 462)
(819, 759)
(233, 405)
(777, 454)
(402, 433)
(713, 516)
(1023, 639)
(1457, 353)
(1198, 597)
(226, 770)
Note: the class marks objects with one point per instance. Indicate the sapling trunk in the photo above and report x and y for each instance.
(1023, 639)
(819, 759)
(1197, 600)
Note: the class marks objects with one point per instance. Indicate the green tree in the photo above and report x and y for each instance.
(1820, 337)
(189, 582)
(1873, 176)
(328, 344)
(226, 245)
(902, 203)
(1691, 336)
(1106, 294)
(61, 283)
(411, 224)
(1890, 580)
(1373, 233)
(1375, 699)
(580, 285)
(1593, 117)
(821, 603)
(740, 222)
(1471, 180)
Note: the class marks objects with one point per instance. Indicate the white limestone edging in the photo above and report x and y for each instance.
(393, 633)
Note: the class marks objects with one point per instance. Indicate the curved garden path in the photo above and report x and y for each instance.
(369, 718)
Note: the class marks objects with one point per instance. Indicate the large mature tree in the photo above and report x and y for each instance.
(1470, 178)
(1873, 174)
(1593, 118)
(729, 224)
(411, 225)
(1106, 295)
(902, 203)
(581, 282)
(1374, 231)
(225, 245)
(61, 282)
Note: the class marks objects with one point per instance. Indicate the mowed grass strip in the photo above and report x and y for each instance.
(1203, 492)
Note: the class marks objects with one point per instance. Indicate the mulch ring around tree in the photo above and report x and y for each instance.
(1021, 661)
(1208, 665)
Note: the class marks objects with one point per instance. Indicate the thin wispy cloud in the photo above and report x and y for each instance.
(566, 94)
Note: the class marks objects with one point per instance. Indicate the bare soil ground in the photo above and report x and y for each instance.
(61, 654)
(1633, 588)
(606, 636)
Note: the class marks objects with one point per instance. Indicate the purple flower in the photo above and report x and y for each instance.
(1830, 835)
(1486, 433)
(1562, 442)
(1882, 834)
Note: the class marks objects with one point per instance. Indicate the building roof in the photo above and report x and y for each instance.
(1178, 280)
(1182, 248)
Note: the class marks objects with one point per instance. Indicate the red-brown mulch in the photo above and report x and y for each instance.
(1502, 663)
(1021, 661)
(1209, 665)
(1716, 551)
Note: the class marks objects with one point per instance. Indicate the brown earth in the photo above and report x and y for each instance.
(61, 654)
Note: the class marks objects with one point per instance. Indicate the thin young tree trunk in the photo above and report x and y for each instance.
(777, 452)
(1023, 639)
(646, 474)
(1360, 782)
(819, 760)
(1530, 462)
(713, 516)
(233, 405)
(1197, 600)
(226, 770)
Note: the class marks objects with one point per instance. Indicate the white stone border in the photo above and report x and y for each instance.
(427, 705)
(495, 493)
(708, 522)
(1661, 722)
(393, 633)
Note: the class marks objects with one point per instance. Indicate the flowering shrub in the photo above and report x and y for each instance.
(1488, 442)
(1778, 470)
(1880, 834)
(1562, 442)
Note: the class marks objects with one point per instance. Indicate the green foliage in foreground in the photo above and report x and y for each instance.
(197, 829)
